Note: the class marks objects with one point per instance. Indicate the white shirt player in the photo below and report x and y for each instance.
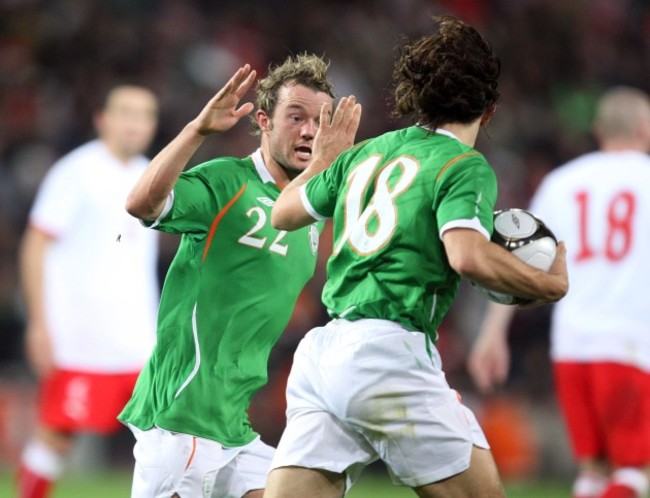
(599, 204)
(101, 291)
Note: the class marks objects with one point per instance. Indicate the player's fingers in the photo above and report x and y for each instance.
(326, 114)
(559, 264)
(482, 381)
(241, 74)
(244, 109)
(339, 113)
(355, 119)
(476, 371)
(348, 111)
(500, 373)
(536, 303)
(494, 376)
(245, 85)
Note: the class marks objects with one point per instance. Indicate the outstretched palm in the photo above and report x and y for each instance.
(221, 112)
(336, 132)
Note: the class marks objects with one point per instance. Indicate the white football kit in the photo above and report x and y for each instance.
(368, 389)
(101, 290)
(171, 462)
(599, 204)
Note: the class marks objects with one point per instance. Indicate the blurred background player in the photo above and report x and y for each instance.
(600, 334)
(412, 213)
(88, 273)
(232, 286)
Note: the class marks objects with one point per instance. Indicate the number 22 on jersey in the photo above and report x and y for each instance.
(619, 227)
(251, 239)
(369, 229)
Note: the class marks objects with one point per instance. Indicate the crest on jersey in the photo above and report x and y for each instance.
(313, 238)
(266, 201)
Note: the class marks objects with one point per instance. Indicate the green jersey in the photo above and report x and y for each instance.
(228, 295)
(391, 198)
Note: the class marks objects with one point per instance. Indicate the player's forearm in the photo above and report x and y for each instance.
(497, 320)
(31, 258)
(288, 212)
(147, 198)
(316, 166)
(499, 270)
(487, 264)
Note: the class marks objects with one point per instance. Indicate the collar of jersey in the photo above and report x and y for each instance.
(261, 168)
(440, 131)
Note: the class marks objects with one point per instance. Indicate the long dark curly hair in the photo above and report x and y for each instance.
(449, 76)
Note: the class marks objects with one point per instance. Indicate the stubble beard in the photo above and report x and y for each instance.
(290, 170)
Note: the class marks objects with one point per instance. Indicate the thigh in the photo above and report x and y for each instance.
(367, 389)
(152, 477)
(623, 402)
(480, 480)
(315, 439)
(404, 407)
(291, 482)
(81, 401)
(169, 463)
(574, 390)
(246, 473)
(314, 436)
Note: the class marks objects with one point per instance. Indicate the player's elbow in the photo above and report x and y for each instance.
(276, 220)
(464, 263)
(288, 212)
(140, 208)
(280, 219)
(133, 206)
(284, 216)
(465, 249)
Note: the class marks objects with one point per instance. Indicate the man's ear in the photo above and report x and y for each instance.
(263, 120)
(487, 115)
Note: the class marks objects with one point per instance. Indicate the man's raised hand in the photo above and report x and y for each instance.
(336, 132)
(222, 112)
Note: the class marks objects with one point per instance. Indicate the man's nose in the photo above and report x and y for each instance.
(309, 129)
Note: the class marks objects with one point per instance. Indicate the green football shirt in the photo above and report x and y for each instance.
(391, 197)
(228, 295)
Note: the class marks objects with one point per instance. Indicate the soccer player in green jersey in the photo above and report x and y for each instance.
(232, 286)
(412, 212)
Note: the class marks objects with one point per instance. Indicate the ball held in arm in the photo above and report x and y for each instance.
(526, 237)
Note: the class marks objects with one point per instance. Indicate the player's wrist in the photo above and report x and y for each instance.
(194, 130)
(319, 163)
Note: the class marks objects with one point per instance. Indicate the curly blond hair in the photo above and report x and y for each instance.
(303, 69)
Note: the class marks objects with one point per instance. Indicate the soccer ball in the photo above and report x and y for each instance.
(528, 238)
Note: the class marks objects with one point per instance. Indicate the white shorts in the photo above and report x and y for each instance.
(370, 389)
(193, 467)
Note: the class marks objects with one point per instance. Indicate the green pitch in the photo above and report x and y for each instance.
(371, 485)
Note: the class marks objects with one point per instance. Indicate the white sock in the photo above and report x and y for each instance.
(43, 460)
(632, 478)
(589, 483)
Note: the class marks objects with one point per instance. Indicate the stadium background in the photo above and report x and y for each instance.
(57, 58)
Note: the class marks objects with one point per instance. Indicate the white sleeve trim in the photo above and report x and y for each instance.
(473, 224)
(169, 202)
(308, 207)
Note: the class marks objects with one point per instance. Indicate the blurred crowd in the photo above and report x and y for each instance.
(58, 57)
